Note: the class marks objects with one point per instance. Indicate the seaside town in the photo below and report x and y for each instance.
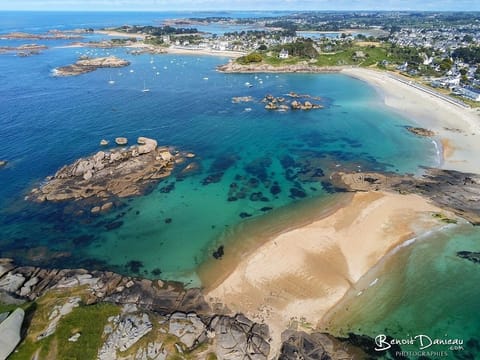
(436, 49)
(426, 64)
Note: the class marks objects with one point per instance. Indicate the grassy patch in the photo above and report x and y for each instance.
(211, 356)
(444, 218)
(88, 320)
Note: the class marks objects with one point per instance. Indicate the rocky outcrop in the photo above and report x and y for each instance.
(181, 313)
(119, 172)
(84, 66)
(189, 328)
(52, 35)
(451, 190)
(470, 255)
(234, 67)
(10, 332)
(121, 141)
(24, 50)
(238, 338)
(123, 332)
(420, 131)
(300, 345)
(307, 105)
(29, 283)
(282, 104)
(240, 99)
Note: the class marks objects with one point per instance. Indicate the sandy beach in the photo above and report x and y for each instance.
(456, 128)
(211, 52)
(295, 278)
(299, 275)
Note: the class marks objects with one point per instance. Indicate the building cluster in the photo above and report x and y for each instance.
(440, 43)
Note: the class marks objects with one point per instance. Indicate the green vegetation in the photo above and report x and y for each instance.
(469, 55)
(300, 48)
(211, 356)
(156, 30)
(250, 58)
(444, 218)
(338, 53)
(123, 41)
(87, 320)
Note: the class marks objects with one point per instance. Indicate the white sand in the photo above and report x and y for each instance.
(302, 273)
(457, 128)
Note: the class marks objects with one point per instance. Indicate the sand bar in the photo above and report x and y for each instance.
(302, 273)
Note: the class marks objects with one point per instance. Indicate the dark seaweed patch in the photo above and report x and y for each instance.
(167, 188)
(134, 266)
(113, 225)
(217, 254)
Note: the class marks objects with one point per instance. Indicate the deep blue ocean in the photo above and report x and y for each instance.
(251, 162)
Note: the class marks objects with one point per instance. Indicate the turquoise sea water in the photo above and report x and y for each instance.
(251, 162)
(421, 289)
(48, 122)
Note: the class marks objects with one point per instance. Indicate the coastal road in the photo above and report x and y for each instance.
(430, 91)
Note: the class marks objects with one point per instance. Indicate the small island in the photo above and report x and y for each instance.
(86, 65)
(120, 173)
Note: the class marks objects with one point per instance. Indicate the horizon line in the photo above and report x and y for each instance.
(239, 10)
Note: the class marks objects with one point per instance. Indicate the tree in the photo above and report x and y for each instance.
(250, 58)
(477, 73)
(446, 64)
(468, 38)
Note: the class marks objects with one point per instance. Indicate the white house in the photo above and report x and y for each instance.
(283, 54)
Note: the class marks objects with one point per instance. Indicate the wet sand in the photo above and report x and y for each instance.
(296, 277)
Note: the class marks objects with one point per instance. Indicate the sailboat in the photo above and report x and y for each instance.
(145, 89)
(111, 81)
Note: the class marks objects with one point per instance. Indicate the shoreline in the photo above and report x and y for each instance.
(283, 292)
(339, 249)
(457, 129)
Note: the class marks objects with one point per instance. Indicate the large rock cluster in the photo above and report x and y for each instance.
(449, 189)
(29, 283)
(238, 338)
(87, 65)
(120, 172)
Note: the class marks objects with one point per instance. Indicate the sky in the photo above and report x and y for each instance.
(163, 5)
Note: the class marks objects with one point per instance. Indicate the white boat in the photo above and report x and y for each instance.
(111, 81)
(145, 89)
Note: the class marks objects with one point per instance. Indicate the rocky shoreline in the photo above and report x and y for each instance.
(160, 312)
(449, 189)
(24, 50)
(119, 172)
(86, 65)
(233, 67)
